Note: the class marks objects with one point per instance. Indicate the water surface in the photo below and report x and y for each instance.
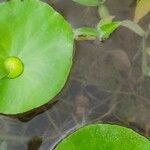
(106, 84)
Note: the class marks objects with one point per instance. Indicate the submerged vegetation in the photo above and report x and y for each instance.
(36, 55)
(30, 52)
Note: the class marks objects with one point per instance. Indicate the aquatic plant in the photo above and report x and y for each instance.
(104, 137)
(36, 51)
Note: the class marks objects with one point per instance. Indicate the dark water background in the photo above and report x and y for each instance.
(105, 84)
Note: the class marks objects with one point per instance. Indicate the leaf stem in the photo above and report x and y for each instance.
(103, 11)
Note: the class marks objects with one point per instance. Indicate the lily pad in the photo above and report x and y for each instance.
(90, 2)
(2, 68)
(36, 45)
(104, 137)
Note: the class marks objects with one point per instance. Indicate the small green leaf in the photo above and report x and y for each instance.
(133, 27)
(40, 38)
(106, 20)
(90, 2)
(85, 33)
(104, 137)
(105, 30)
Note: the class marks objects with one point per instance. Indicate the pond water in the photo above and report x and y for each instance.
(106, 84)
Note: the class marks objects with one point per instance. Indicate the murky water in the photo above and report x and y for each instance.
(105, 85)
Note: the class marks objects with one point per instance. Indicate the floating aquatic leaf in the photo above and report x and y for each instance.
(104, 137)
(42, 43)
(142, 8)
(106, 20)
(2, 68)
(90, 2)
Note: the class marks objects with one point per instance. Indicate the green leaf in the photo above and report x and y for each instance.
(106, 20)
(133, 27)
(3, 72)
(90, 2)
(104, 137)
(43, 42)
(142, 9)
(85, 33)
(105, 30)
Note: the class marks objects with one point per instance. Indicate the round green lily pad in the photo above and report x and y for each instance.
(36, 50)
(104, 137)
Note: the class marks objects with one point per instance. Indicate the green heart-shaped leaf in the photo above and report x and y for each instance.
(104, 137)
(90, 2)
(37, 44)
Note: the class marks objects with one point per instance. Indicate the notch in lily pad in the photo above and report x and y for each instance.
(104, 137)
